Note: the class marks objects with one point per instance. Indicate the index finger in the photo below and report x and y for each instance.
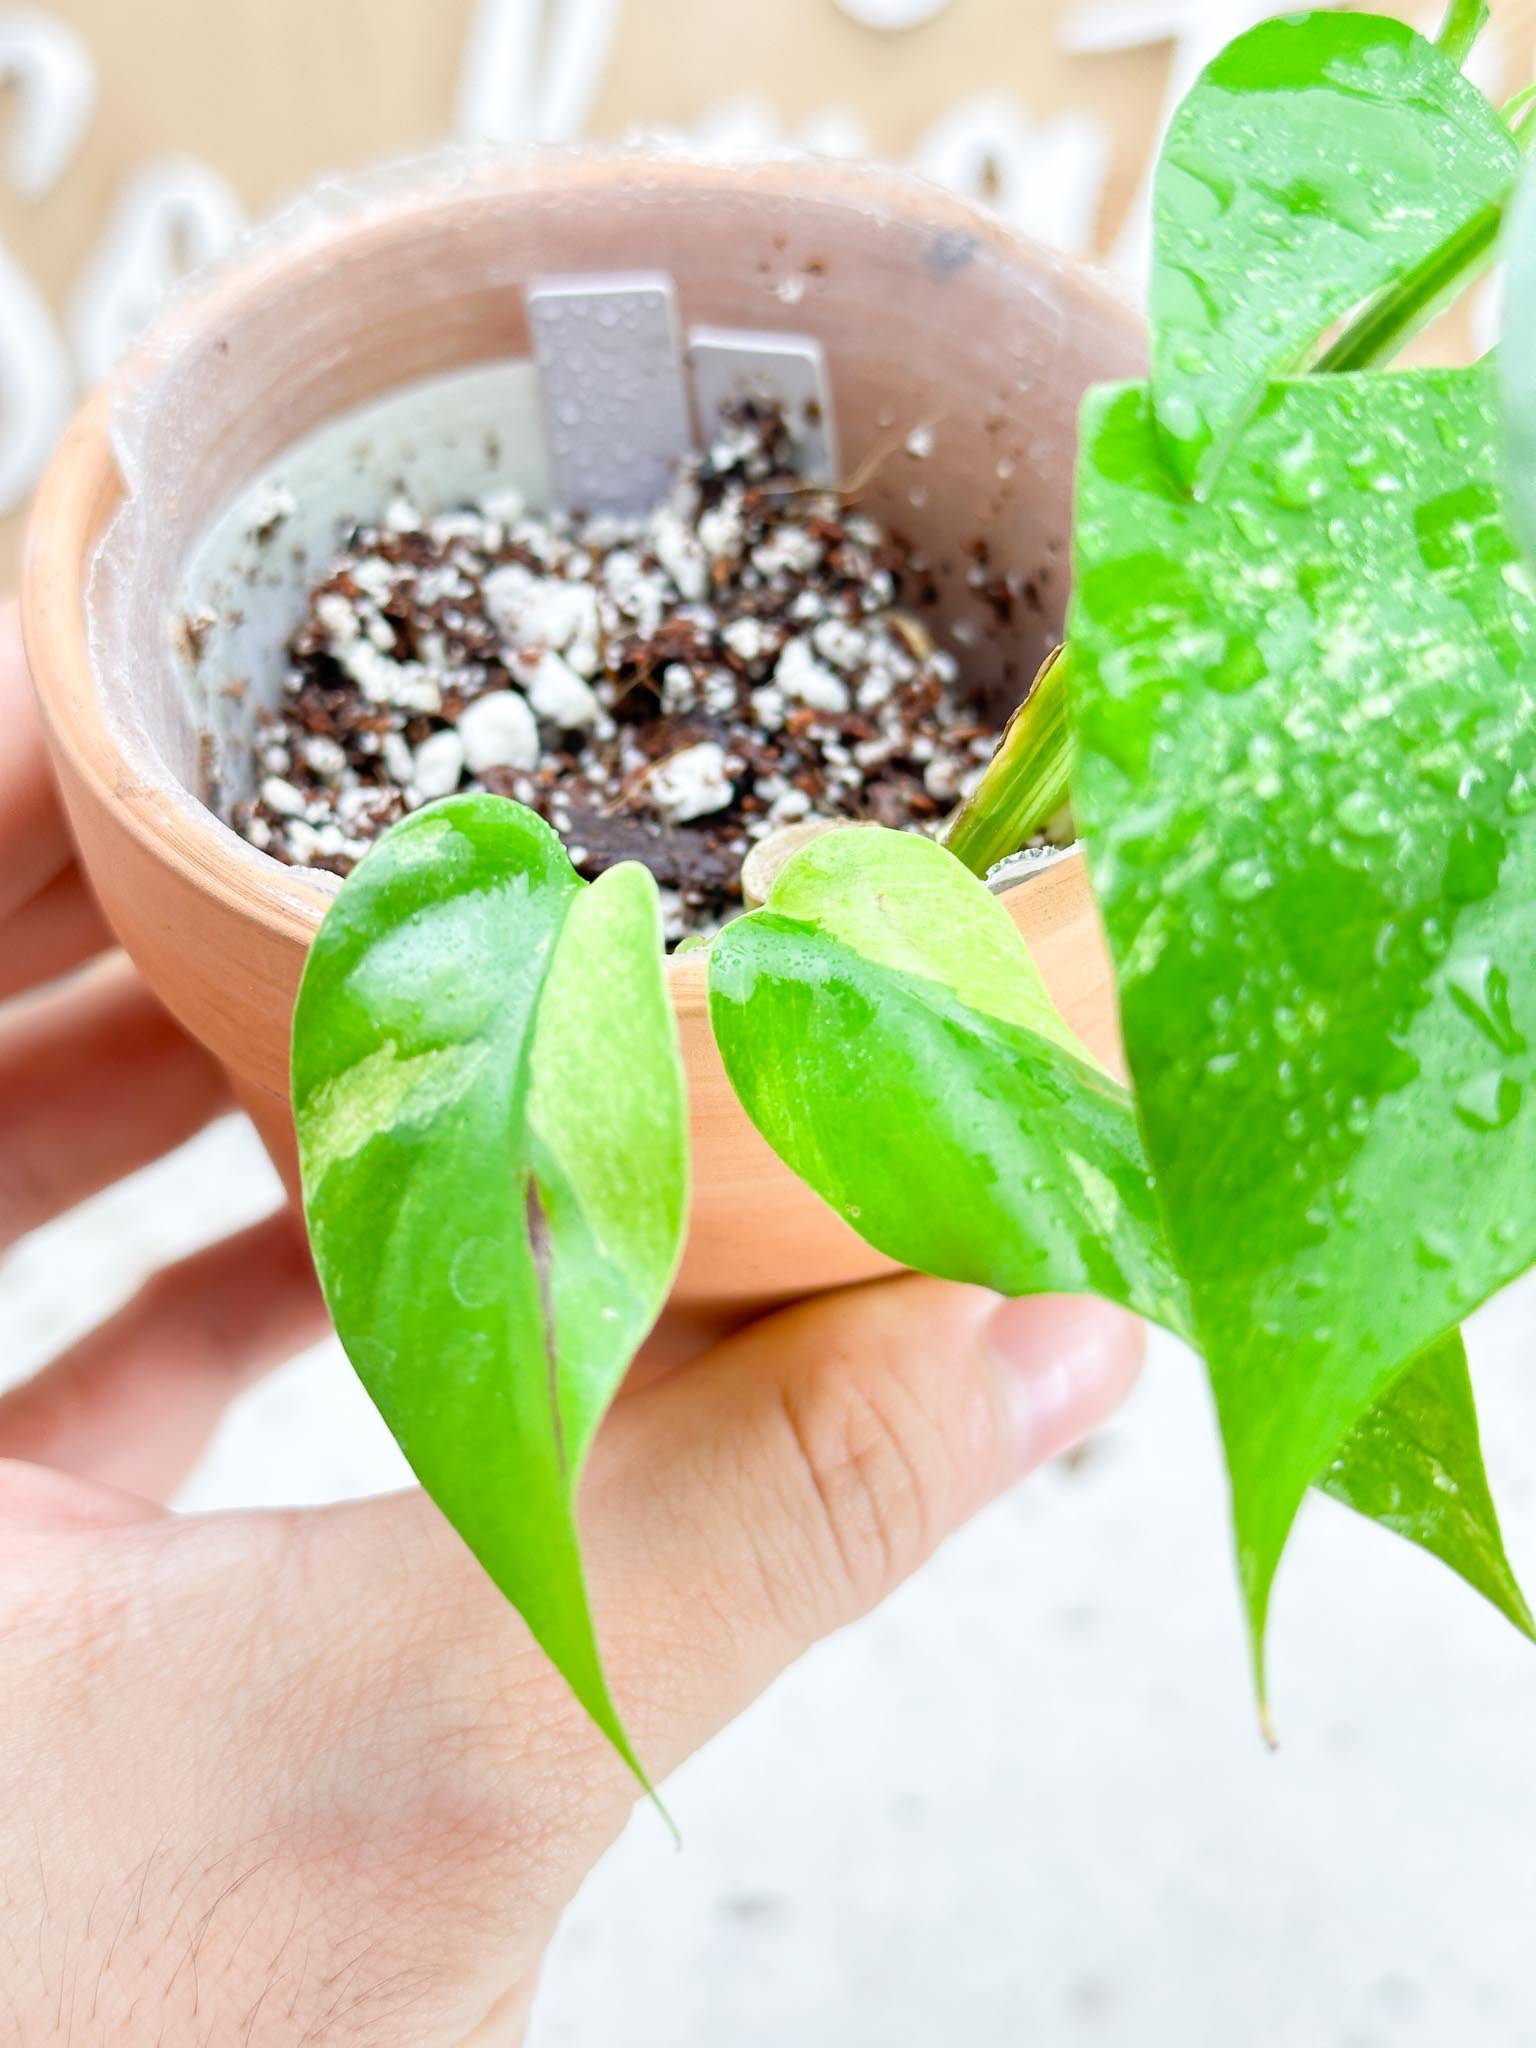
(34, 840)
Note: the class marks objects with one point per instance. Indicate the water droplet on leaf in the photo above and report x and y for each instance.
(1435, 1247)
(1244, 879)
(1488, 1102)
(1480, 990)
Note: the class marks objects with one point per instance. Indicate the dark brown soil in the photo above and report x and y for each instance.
(668, 690)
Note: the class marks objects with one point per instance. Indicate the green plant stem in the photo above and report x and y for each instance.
(1464, 22)
(1394, 316)
(1027, 779)
(1405, 308)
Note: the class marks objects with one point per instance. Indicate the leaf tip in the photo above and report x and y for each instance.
(1517, 1609)
(660, 1807)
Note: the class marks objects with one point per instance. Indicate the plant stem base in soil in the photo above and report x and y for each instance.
(1027, 782)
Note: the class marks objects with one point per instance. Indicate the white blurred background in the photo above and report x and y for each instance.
(1025, 1804)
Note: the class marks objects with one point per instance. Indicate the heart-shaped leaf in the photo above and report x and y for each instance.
(889, 1034)
(1306, 716)
(489, 1101)
(1318, 159)
(883, 1023)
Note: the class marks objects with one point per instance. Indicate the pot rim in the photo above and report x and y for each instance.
(82, 487)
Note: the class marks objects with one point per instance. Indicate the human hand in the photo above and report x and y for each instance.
(95, 1081)
(277, 1778)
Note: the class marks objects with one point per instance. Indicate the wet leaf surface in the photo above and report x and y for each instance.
(1319, 158)
(496, 1198)
(1415, 1465)
(888, 1033)
(1306, 717)
(886, 1029)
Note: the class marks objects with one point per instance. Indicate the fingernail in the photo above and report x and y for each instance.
(1065, 1362)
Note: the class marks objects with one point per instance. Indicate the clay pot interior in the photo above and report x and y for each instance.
(351, 357)
(385, 345)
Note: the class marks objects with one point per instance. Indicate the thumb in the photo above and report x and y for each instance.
(758, 1499)
(734, 1513)
(788, 1480)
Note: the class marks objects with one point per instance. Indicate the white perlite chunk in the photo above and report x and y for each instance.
(941, 779)
(768, 708)
(398, 758)
(678, 690)
(843, 645)
(375, 577)
(679, 553)
(404, 684)
(539, 611)
(788, 808)
(748, 639)
(438, 765)
(325, 757)
(722, 531)
(720, 692)
(271, 504)
(559, 694)
(506, 507)
(337, 616)
(415, 690)
(791, 548)
(799, 674)
(638, 593)
(499, 731)
(692, 783)
(282, 797)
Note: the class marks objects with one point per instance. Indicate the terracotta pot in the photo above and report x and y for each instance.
(928, 312)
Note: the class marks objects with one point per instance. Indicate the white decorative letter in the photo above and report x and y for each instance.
(508, 93)
(173, 216)
(749, 124)
(893, 13)
(1043, 177)
(55, 83)
(1198, 29)
(35, 389)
